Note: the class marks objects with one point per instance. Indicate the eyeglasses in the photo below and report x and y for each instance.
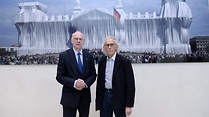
(111, 45)
(78, 39)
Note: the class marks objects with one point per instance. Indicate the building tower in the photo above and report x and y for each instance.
(77, 10)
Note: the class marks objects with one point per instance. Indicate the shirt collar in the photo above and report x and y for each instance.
(113, 57)
(76, 52)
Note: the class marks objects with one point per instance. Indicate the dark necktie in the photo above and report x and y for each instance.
(80, 63)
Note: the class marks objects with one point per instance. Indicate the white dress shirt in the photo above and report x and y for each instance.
(81, 56)
(109, 72)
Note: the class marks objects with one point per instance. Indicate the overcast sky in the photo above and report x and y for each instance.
(9, 10)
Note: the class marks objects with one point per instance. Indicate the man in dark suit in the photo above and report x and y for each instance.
(76, 72)
(115, 89)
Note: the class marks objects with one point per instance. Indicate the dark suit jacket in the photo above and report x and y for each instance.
(123, 84)
(68, 72)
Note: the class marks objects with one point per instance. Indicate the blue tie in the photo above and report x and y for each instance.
(80, 63)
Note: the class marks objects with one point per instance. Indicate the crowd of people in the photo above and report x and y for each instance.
(52, 58)
(29, 59)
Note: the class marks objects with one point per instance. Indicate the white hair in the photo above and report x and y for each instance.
(116, 42)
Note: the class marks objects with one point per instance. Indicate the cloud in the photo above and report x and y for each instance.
(142, 6)
(200, 20)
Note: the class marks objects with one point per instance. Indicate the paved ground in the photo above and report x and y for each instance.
(163, 90)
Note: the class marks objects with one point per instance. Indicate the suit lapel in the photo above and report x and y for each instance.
(103, 63)
(85, 62)
(72, 59)
(117, 64)
(102, 68)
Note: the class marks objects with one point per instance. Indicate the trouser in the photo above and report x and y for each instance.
(108, 107)
(71, 112)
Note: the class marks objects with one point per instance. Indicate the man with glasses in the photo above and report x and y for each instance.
(76, 72)
(115, 89)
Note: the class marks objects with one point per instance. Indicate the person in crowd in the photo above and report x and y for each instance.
(115, 88)
(76, 72)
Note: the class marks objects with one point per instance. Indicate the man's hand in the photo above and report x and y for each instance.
(80, 84)
(128, 111)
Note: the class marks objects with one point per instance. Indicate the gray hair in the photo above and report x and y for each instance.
(116, 42)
